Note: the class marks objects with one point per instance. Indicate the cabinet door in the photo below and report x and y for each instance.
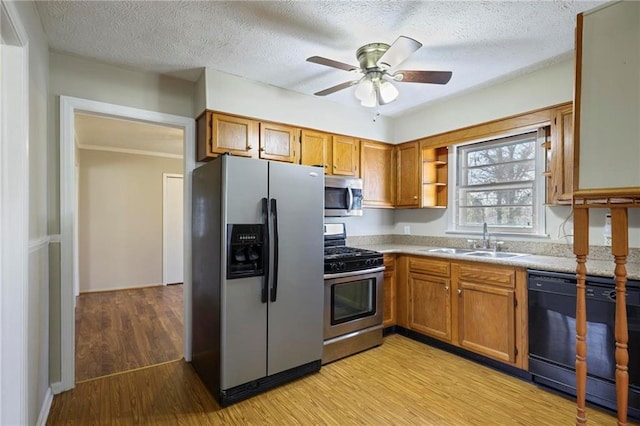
(562, 156)
(378, 174)
(278, 142)
(408, 175)
(235, 135)
(345, 156)
(389, 311)
(314, 149)
(430, 305)
(487, 320)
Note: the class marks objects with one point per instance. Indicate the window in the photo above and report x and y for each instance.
(496, 184)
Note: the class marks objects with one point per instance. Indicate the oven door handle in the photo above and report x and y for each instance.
(353, 273)
(265, 250)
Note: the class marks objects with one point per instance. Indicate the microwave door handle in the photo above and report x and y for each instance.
(349, 199)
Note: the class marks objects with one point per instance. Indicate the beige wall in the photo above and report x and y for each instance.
(120, 219)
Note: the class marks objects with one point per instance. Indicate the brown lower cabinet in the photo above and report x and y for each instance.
(389, 311)
(477, 306)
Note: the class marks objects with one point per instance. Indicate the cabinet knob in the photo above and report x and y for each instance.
(326, 165)
(335, 167)
(249, 147)
(415, 197)
(446, 288)
(459, 291)
(262, 149)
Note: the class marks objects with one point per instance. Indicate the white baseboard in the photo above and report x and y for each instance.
(44, 410)
(57, 388)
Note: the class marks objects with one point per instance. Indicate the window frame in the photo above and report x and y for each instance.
(538, 228)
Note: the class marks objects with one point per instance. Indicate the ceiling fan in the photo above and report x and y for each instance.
(376, 60)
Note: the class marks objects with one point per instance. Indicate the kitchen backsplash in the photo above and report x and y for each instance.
(538, 248)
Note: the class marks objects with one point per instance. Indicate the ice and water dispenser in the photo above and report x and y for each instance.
(245, 251)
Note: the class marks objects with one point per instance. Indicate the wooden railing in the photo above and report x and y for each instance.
(619, 201)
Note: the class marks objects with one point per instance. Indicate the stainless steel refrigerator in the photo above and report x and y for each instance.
(257, 274)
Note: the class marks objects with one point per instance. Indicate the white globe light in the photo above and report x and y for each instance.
(364, 91)
(388, 92)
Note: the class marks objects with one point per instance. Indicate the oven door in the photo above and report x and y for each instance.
(352, 301)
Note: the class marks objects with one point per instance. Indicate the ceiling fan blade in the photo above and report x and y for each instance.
(331, 63)
(433, 77)
(336, 88)
(400, 50)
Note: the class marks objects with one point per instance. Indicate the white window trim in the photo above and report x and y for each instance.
(539, 185)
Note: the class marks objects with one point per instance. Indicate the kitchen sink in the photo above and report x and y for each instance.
(448, 250)
(493, 254)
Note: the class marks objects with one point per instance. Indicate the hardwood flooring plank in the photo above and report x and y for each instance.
(127, 329)
(402, 382)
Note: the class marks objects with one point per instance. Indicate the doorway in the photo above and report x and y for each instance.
(125, 320)
(69, 107)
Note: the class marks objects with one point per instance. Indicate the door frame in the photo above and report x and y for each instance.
(165, 242)
(69, 106)
(14, 216)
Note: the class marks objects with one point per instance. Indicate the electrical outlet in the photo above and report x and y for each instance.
(407, 230)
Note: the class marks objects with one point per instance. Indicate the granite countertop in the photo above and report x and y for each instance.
(546, 263)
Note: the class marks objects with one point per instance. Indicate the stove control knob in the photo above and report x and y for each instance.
(334, 266)
(343, 266)
(368, 262)
(379, 261)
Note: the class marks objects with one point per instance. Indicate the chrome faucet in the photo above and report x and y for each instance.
(485, 236)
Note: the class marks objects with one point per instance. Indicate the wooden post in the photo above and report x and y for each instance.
(581, 249)
(620, 250)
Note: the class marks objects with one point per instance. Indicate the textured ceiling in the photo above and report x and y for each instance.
(266, 41)
(124, 135)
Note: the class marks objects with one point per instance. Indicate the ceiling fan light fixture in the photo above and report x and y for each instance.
(387, 92)
(370, 102)
(365, 89)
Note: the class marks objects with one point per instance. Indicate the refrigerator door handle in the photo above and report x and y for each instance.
(274, 213)
(265, 250)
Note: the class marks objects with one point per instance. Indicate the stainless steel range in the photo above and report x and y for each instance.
(353, 292)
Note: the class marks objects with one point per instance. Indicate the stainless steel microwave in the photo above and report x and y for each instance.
(342, 196)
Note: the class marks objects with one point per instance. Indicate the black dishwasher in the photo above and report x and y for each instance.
(552, 336)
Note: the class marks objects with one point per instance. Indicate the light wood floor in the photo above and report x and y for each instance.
(123, 330)
(400, 382)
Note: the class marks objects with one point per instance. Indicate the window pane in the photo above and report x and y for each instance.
(516, 217)
(496, 197)
(499, 173)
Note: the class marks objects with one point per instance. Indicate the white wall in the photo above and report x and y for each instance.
(372, 222)
(236, 95)
(120, 219)
(538, 89)
(35, 321)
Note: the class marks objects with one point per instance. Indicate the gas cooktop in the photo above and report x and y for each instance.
(339, 258)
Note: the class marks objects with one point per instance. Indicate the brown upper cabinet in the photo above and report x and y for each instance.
(221, 133)
(278, 142)
(560, 189)
(345, 155)
(408, 175)
(378, 170)
(434, 177)
(218, 133)
(315, 148)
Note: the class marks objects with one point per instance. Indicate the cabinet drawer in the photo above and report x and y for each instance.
(488, 275)
(430, 266)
